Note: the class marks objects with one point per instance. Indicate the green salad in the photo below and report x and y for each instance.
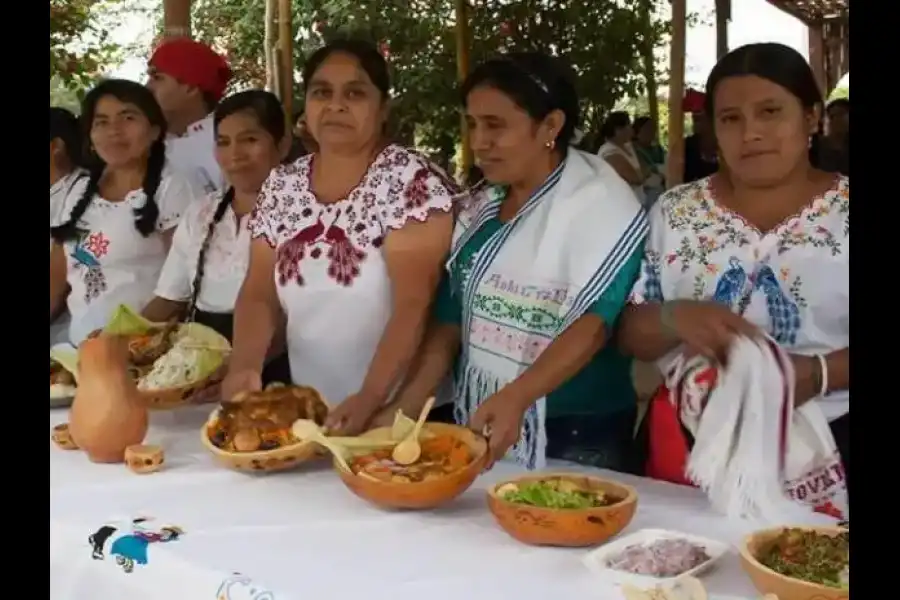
(555, 493)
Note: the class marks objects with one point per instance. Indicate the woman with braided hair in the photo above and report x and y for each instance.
(110, 242)
(211, 247)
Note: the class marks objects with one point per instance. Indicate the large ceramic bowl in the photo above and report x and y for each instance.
(768, 581)
(565, 527)
(426, 494)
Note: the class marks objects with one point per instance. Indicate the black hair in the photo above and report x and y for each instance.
(64, 126)
(842, 103)
(538, 83)
(132, 93)
(780, 64)
(366, 53)
(267, 110)
(640, 123)
(614, 121)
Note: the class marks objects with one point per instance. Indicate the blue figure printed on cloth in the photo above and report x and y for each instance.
(652, 279)
(131, 548)
(87, 253)
(730, 287)
(784, 314)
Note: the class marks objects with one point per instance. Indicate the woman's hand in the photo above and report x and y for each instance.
(499, 419)
(241, 380)
(808, 378)
(706, 327)
(352, 416)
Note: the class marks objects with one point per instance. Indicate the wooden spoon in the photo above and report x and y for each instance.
(309, 431)
(409, 450)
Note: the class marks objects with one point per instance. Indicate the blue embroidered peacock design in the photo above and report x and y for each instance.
(784, 314)
(88, 251)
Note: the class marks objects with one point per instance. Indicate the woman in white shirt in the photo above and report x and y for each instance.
(763, 245)
(211, 246)
(111, 242)
(349, 244)
(619, 153)
(67, 178)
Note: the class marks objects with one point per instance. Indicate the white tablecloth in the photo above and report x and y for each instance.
(301, 535)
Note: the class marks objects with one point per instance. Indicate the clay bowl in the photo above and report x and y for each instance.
(261, 461)
(767, 581)
(573, 528)
(427, 494)
(176, 397)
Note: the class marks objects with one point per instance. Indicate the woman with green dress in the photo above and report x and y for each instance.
(544, 253)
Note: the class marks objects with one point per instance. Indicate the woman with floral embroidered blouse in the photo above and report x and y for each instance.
(348, 246)
(544, 257)
(763, 245)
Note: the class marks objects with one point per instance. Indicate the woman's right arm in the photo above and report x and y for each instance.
(621, 166)
(435, 358)
(641, 332)
(59, 286)
(257, 311)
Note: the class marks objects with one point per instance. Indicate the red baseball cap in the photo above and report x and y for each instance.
(193, 63)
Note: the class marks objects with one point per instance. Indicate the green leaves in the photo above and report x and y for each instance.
(79, 46)
(600, 38)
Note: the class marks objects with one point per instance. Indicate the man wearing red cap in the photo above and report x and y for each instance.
(188, 79)
(700, 153)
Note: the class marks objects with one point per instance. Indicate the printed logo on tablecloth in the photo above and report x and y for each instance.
(128, 545)
(240, 587)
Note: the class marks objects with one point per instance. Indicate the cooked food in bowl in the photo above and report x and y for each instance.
(441, 455)
(260, 421)
(556, 493)
(660, 558)
(62, 382)
(810, 556)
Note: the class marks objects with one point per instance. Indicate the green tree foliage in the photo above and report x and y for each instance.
(79, 46)
(600, 38)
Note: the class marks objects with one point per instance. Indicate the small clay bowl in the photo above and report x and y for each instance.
(767, 581)
(425, 494)
(62, 438)
(572, 528)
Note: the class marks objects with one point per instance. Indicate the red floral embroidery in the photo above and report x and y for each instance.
(97, 244)
(398, 186)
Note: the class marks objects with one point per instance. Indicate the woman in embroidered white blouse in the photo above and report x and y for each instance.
(348, 246)
(762, 245)
(211, 247)
(111, 241)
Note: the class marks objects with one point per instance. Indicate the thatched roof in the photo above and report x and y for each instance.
(815, 11)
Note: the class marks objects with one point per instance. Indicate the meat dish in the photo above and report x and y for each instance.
(259, 421)
(810, 556)
(62, 382)
(441, 455)
(661, 558)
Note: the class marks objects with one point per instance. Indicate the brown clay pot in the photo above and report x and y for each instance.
(107, 415)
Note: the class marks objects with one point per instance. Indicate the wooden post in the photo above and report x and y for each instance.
(269, 45)
(817, 55)
(286, 65)
(675, 162)
(649, 64)
(462, 70)
(723, 16)
(176, 18)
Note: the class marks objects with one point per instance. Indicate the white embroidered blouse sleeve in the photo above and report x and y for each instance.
(178, 271)
(419, 189)
(174, 196)
(260, 223)
(648, 287)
